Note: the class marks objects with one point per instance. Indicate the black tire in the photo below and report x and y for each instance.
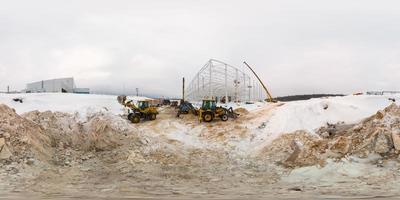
(224, 117)
(208, 116)
(130, 115)
(135, 119)
(153, 116)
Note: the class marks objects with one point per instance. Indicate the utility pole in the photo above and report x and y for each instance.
(249, 92)
(236, 82)
(137, 92)
(8, 89)
(183, 89)
(210, 94)
(226, 84)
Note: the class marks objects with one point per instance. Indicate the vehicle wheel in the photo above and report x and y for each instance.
(208, 116)
(135, 119)
(224, 117)
(130, 115)
(153, 116)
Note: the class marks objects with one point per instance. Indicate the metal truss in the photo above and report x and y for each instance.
(218, 80)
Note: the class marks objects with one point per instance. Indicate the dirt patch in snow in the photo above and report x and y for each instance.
(241, 111)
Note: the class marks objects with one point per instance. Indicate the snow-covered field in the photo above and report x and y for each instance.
(82, 104)
(291, 116)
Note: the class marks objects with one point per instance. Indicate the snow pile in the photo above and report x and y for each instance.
(312, 114)
(378, 135)
(81, 105)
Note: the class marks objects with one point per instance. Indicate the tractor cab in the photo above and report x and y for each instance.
(209, 105)
(143, 104)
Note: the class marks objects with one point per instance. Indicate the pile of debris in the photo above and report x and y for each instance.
(376, 135)
(62, 139)
(98, 133)
(379, 134)
(296, 149)
(21, 140)
(59, 138)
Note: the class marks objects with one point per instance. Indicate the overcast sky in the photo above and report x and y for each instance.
(297, 47)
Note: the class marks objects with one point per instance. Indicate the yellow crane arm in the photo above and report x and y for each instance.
(270, 98)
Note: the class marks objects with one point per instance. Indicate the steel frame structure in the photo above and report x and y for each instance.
(217, 79)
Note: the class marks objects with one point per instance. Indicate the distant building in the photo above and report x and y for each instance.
(61, 85)
(382, 92)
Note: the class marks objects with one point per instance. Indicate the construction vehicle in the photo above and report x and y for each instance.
(209, 111)
(186, 107)
(143, 110)
(270, 98)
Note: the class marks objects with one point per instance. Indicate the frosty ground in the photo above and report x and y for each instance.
(68, 145)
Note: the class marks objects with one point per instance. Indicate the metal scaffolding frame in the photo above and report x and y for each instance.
(217, 80)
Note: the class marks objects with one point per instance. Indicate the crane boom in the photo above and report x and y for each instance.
(270, 98)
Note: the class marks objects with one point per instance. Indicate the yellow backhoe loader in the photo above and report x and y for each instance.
(209, 111)
(143, 110)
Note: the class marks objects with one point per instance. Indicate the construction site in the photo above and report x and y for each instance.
(175, 99)
(226, 138)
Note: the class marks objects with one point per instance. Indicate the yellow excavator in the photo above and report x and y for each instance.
(143, 110)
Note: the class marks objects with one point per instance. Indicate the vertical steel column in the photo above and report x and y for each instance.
(254, 91)
(210, 82)
(226, 84)
(244, 86)
(236, 85)
(249, 90)
(202, 85)
(183, 89)
(198, 86)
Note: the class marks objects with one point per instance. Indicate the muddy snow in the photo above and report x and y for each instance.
(340, 147)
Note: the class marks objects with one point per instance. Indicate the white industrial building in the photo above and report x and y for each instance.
(61, 85)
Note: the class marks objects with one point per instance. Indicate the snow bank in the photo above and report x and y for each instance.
(82, 104)
(311, 114)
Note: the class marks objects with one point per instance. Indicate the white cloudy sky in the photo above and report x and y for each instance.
(307, 46)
